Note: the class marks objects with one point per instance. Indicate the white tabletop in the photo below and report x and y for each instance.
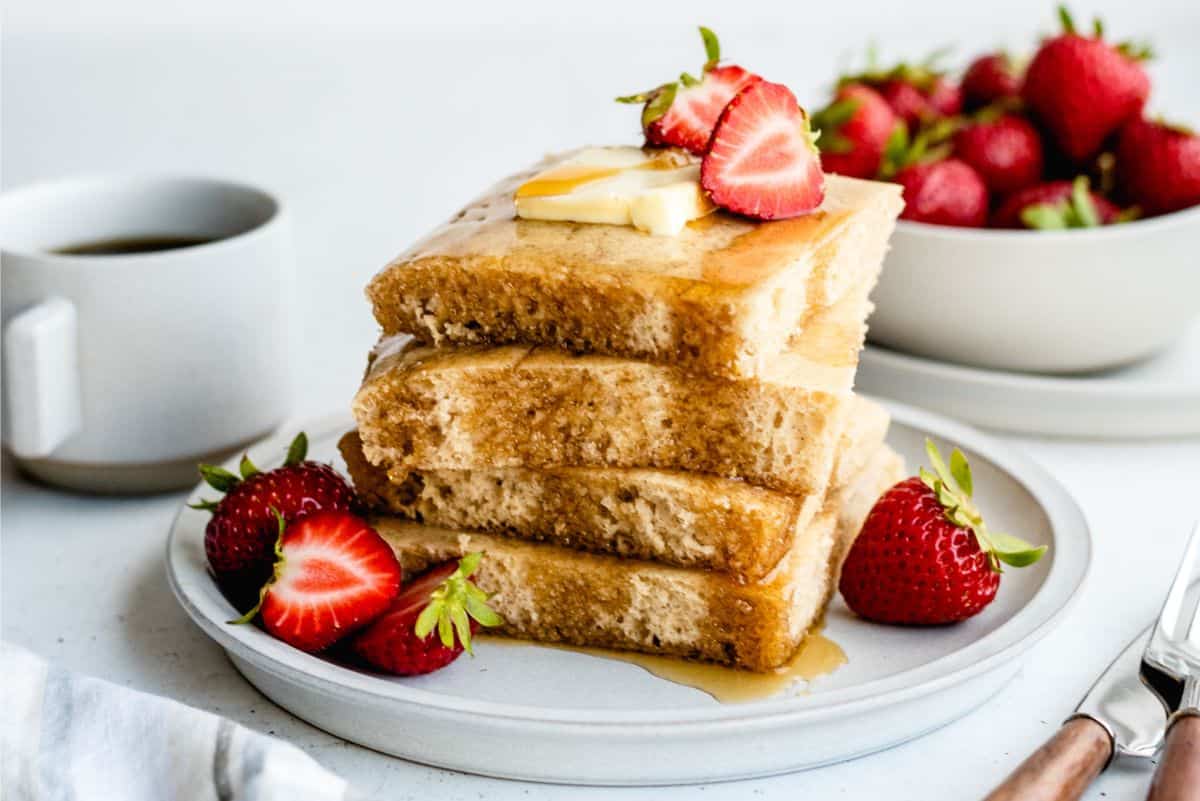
(376, 126)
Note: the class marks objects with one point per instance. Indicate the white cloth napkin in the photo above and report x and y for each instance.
(67, 737)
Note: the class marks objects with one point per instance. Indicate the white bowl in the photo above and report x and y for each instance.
(1045, 301)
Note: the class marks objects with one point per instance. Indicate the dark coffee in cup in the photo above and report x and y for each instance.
(131, 244)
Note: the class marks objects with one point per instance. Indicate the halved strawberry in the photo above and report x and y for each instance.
(682, 113)
(333, 575)
(445, 600)
(762, 160)
(240, 538)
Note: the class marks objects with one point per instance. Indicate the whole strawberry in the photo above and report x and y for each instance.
(683, 113)
(907, 101)
(1056, 205)
(854, 131)
(1083, 88)
(924, 555)
(239, 540)
(1158, 166)
(989, 79)
(402, 640)
(1005, 151)
(332, 575)
(917, 93)
(946, 192)
(945, 97)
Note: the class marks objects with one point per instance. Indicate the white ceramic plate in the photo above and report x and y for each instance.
(559, 716)
(1158, 397)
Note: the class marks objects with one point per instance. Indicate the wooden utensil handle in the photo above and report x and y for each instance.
(1178, 774)
(1062, 768)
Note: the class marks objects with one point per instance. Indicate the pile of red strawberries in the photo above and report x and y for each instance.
(286, 545)
(1060, 143)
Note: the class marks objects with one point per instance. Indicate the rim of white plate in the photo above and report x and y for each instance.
(197, 593)
(1046, 385)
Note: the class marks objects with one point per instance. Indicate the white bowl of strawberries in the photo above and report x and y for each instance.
(1049, 226)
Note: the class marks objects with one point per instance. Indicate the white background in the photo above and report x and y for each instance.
(375, 121)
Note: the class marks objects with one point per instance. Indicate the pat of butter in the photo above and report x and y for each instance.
(657, 192)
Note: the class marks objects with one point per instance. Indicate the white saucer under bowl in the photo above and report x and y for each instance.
(1158, 397)
(554, 715)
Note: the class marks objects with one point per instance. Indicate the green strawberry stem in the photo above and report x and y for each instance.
(921, 75)
(1077, 211)
(661, 97)
(660, 104)
(1081, 203)
(280, 562)
(1135, 51)
(1129, 214)
(246, 467)
(954, 488)
(712, 48)
(1066, 20)
(223, 481)
(828, 121)
(218, 478)
(204, 505)
(453, 605)
(932, 143)
(297, 451)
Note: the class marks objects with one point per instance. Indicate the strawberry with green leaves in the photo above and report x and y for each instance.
(1057, 205)
(918, 94)
(1083, 89)
(430, 623)
(239, 539)
(854, 131)
(683, 113)
(924, 555)
(990, 79)
(938, 189)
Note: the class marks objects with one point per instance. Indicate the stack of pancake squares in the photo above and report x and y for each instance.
(654, 440)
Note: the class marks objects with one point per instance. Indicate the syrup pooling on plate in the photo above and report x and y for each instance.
(818, 656)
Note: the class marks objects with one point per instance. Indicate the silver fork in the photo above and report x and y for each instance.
(1171, 668)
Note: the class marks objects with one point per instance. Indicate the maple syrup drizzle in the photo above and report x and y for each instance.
(818, 656)
(567, 178)
(564, 180)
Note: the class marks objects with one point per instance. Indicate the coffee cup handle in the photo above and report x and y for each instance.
(41, 378)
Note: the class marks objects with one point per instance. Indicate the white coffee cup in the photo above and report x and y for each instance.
(122, 371)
